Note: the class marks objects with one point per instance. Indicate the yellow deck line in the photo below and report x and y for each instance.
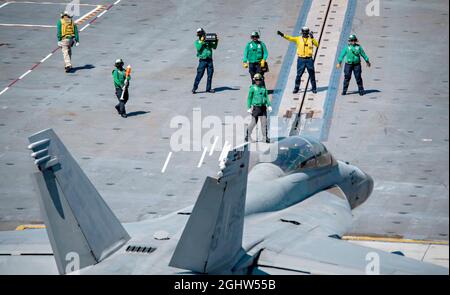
(393, 240)
(30, 226)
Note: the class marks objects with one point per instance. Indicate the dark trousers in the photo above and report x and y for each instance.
(302, 64)
(120, 107)
(204, 64)
(357, 70)
(255, 68)
(258, 112)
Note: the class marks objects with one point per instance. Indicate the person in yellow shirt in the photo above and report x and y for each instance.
(305, 50)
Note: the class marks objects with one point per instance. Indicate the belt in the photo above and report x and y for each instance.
(310, 57)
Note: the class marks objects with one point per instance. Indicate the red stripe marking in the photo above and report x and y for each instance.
(13, 82)
(33, 67)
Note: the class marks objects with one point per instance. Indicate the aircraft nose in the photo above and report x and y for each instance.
(366, 189)
(370, 184)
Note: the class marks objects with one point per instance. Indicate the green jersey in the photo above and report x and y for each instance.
(258, 96)
(353, 54)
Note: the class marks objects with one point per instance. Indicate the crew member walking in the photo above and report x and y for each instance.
(259, 105)
(255, 57)
(305, 49)
(121, 78)
(204, 54)
(352, 54)
(67, 33)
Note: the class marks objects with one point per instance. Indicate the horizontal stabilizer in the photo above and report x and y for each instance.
(212, 239)
(82, 229)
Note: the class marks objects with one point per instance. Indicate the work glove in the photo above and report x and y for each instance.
(77, 43)
(245, 65)
(338, 66)
(279, 33)
(249, 110)
(59, 43)
(368, 64)
(263, 63)
(269, 109)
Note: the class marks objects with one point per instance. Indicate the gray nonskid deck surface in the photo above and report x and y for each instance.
(124, 157)
(399, 132)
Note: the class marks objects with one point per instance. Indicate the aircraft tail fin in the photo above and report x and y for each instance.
(81, 227)
(212, 239)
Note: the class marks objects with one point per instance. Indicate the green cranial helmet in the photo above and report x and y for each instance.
(352, 37)
(255, 34)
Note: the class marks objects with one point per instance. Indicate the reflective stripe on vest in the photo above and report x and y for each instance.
(67, 28)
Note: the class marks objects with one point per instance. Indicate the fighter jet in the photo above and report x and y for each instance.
(285, 216)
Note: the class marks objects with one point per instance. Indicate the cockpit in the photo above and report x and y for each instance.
(299, 153)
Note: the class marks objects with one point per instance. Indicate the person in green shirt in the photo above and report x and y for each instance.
(121, 83)
(204, 54)
(259, 105)
(352, 54)
(255, 56)
(67, 34)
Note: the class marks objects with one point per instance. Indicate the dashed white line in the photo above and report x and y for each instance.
(102, 13)
(24, 74)
(166, 163)
(82, 29)
(50, 54)
(4, 90)
(213, 146)
(47, 57)
(200, 163)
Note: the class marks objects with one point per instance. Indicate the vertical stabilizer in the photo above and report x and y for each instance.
(82, 229)
(212, 239)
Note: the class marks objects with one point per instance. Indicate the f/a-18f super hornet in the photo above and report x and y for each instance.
(283, 217)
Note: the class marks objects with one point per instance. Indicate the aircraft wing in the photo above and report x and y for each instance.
(297, 252)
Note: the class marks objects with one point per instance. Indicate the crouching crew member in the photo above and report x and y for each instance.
(352, 53)
(67, 33)
(204, 54)
(255, 57)
(121, 83)
(258, 104)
